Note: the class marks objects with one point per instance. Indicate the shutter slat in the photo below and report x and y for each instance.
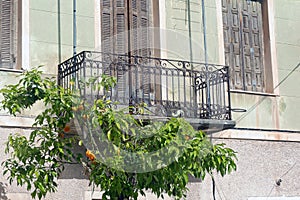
(120, 34)
(145, 38)
(144, 5)
(120, 3)
(134, 4)
(106, 32)
(106, 3)
(6, 35)
(134, 32)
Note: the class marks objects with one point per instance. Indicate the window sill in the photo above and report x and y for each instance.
(11, 70)
(254, 93)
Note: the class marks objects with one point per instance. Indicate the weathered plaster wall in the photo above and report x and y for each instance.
(43, 30)
(260, 164)
(270, 111)
(287, 23)
(176, 12)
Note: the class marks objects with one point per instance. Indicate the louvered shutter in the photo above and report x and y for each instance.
(139, 21)
(144, 47)
(120, 46)
(7, 33)
(107, 25)
(139, 34)
(121, 27)
(115, 22)
(145, 34)
(243, 42)
(119, 20)
(114, 26)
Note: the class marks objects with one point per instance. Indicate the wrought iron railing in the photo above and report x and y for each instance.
(167, 87)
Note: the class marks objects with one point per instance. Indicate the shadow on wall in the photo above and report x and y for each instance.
(76, 171)
(3, 191)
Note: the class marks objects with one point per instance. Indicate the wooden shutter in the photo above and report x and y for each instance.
(107, 25)
(145, 34)
(114, 26)
(120, 18)
(116, 23)
(121, 27)
(243, 42)
(139, 21)
(7, 34)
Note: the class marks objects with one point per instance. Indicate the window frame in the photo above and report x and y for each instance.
(269, 48)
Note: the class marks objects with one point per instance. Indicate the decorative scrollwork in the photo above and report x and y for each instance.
(198, 90)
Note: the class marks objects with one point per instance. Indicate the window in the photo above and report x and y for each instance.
(126, 29)
(124, 26)
(243, 30)
(8, 33)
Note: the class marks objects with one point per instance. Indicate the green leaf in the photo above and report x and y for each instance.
(41, 187)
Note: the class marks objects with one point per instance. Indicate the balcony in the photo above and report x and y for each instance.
(196, 91)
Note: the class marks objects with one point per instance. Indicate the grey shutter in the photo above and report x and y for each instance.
(120, 46)
(7, 33)
(119, 20)
(145, 39)
(107, 25)
(114, 26)
(139, 24)
(139, 37)
(242, 27)
(113, 33)
(120, 27)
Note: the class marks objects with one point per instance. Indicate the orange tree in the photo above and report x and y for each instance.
(124, 156)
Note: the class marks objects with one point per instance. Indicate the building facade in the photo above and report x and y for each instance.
(259, 41)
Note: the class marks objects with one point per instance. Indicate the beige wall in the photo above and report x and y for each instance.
(43, 29)
(176, 16)
(260, 164)
(287, 22)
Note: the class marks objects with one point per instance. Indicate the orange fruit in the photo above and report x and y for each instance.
(80, 107)
(187, 137)
(74, 108)
(67, 128)
(90, 155)
(61, 135)
(85, 117)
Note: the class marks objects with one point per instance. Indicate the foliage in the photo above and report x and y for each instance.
(38, 160)
(126, 156)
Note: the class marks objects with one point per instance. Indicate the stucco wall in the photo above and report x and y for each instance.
(287, 21)
(275, 112)
(177, 16)
(43, 31)
(270, 112)
(260, 164)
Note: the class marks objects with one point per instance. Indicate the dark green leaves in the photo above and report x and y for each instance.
(37, 161)
(165, 153)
